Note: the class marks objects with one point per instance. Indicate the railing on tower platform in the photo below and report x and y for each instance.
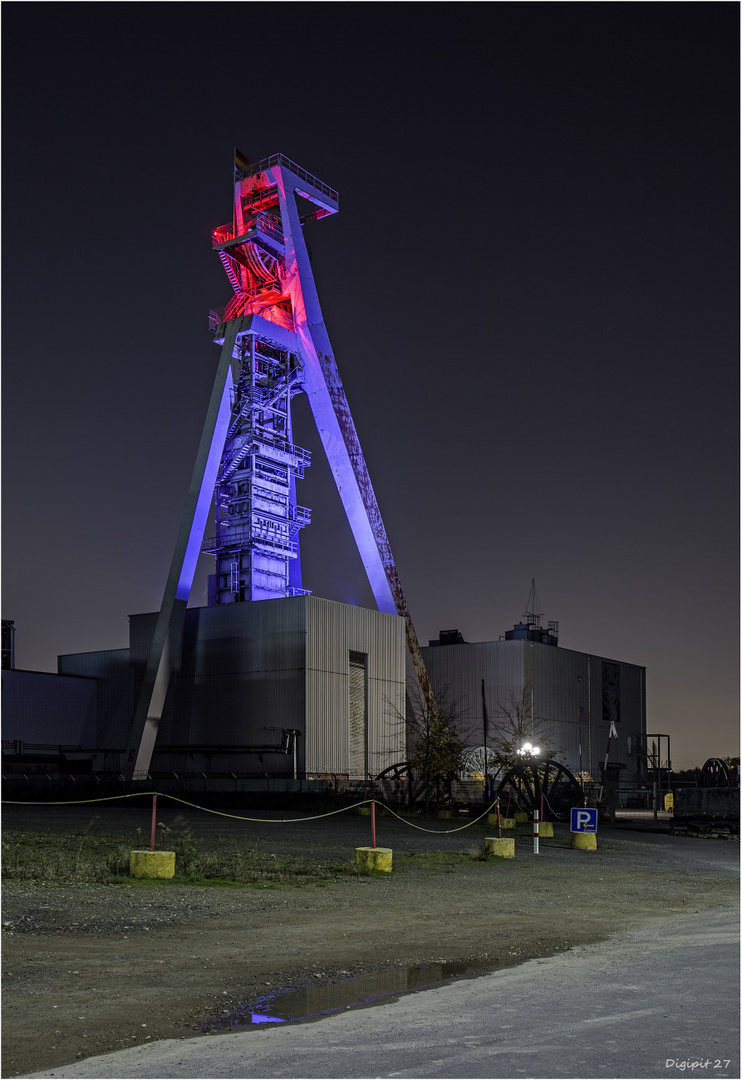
(287, 163)
(262, 223)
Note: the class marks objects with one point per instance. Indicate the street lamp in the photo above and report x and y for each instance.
(527, 750)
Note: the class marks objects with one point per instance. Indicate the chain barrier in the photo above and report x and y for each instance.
(240, 817)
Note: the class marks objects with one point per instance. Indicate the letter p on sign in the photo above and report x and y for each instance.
(584, 819)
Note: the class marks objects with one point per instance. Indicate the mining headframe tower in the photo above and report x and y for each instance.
(274, 345)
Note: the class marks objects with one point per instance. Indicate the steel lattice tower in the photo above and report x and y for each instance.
(257, 518)
(273, 345)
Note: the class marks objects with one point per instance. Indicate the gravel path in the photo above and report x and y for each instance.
(93, 969)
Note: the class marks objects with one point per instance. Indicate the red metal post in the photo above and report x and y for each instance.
(499, 824)
(154, 819)
(535, 832)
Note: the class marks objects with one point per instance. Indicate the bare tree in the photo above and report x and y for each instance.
(435, 743)
(516, 725)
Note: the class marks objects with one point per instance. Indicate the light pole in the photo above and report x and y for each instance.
(528, 750)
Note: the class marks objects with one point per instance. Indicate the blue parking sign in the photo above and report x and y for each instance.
(584, 819)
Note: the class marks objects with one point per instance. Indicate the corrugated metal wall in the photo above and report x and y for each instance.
(560, 679)
(567, 696)
(40, 707)
(456, 673)
(115, 692)
(334, 631)
(241, 682)
(250, 671)
(247, 684)
(141, 632)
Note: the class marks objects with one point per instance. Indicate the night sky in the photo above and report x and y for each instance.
(531, 289)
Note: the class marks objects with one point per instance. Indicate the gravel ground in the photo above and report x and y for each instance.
(90, 969)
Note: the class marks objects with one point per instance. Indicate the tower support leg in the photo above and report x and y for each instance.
(164, 657)
(337, 432)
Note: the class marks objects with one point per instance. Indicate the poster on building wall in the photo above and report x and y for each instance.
(611, 692)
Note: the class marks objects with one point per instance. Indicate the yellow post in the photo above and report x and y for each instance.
(374, 858)
(152, 864)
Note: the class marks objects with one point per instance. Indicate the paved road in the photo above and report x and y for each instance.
(646, 1003)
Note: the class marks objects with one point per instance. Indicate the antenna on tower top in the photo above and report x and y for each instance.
(532, 615)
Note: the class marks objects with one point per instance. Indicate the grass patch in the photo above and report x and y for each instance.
(431, 860)
(63, 858)
(443, 861)
(82, 858)
(86, 858)
(259, 868)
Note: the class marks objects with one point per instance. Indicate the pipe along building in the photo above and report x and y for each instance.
(267, 679)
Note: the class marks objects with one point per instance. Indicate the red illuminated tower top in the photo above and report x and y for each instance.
(252, 246)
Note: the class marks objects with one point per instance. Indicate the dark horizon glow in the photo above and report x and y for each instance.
(531, 290)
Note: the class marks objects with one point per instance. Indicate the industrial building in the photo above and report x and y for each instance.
(306, 688)
(294, 687)
(563, 699)
(47, 721)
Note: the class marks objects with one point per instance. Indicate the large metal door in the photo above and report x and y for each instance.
(357, 717)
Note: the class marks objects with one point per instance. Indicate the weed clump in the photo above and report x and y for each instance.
(180, 839)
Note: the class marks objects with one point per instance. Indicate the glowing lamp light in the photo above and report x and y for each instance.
(528, 750)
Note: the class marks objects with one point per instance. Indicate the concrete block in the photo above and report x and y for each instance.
(584, 841)
(505, 822)
(500, 845)
(152, 864)
(379, 858)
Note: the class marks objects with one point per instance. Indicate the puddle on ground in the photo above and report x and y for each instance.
(317, 999)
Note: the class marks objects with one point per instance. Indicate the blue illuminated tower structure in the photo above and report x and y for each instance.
(273, 345)
(257, 518)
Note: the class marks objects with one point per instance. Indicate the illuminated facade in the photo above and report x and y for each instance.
(273, 345)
